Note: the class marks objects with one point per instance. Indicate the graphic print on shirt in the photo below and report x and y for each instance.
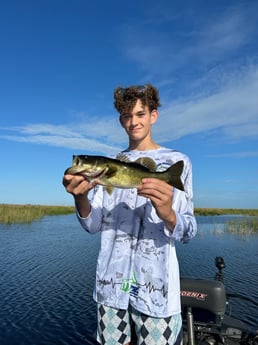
(130, 286)
(137, 260)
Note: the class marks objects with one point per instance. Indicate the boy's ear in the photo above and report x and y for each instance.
(120, 120)
(154, 116)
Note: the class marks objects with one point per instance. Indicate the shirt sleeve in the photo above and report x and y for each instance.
(92, 223)
(186, 226)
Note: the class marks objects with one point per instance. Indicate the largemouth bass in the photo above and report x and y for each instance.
(118, 173)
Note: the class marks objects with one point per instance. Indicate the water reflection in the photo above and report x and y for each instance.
(47, 274)
(243, 226)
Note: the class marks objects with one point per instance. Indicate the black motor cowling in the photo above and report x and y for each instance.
(207, 298)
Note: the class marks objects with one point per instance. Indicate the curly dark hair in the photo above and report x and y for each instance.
(126, 98)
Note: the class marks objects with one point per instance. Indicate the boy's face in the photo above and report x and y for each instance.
(138, 123)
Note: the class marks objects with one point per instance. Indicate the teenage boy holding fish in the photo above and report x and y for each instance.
(137, 286)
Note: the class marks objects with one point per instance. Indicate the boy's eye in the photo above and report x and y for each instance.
(128, 116)
(125, 116)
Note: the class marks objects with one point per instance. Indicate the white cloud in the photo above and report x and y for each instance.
(232, 110)
(60, 141)
(176, 47)
(243, 154)
(221, 97)
(96, 136)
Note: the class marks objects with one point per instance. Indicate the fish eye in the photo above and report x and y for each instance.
(76, 160)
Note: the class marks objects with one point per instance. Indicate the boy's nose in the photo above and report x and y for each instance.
(133, 120)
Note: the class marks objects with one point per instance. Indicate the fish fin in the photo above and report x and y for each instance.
(111, 171)
(174, 173)
(147, 162)
(123, 158)
(109, 189)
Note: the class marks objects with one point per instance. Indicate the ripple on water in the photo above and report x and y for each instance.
(47, 275)
(45, 292)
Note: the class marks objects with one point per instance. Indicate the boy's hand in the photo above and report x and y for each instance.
(161, 195)
(77, 185)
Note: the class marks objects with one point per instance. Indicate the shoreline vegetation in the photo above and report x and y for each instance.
(11, 214)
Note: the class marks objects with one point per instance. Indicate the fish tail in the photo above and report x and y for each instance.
(174, 175)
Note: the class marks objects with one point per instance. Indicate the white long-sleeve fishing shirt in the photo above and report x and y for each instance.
(137, 262)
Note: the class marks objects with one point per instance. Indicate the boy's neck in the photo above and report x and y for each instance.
(143, 146)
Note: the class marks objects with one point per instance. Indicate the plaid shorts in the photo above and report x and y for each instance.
(118, 326)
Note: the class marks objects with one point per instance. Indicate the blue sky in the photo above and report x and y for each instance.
(61, 60)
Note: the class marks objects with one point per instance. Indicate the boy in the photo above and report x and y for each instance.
(137, 280)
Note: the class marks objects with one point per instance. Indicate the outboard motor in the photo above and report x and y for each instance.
(205, 319)
(203, 306)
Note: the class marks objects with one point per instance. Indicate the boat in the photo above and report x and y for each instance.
(206, 312)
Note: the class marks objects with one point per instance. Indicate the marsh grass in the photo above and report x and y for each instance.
(10, 213)
(225, 211)
(28, 213)
(246, 224)
(242, 227)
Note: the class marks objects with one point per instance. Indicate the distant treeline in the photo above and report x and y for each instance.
(11, 213)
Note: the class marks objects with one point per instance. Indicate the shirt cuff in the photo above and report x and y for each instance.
(178, 230)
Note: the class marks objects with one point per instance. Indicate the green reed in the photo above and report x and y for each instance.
(248, 224)
(242, 226)
(225, 211)
(28, 213)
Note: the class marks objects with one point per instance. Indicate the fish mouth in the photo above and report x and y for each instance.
(89, 175)
(94, 175)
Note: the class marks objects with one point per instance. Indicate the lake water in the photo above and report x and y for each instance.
(47, 272)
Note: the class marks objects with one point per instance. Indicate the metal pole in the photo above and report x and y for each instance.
(190, 326)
